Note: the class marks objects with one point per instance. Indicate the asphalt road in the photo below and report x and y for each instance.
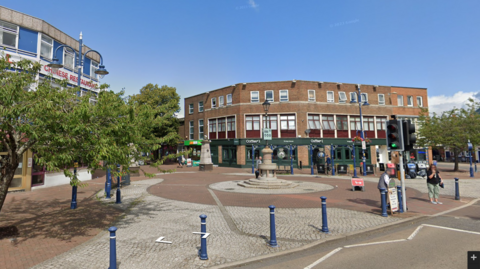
(434, 245)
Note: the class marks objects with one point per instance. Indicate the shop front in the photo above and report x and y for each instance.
(195, 146)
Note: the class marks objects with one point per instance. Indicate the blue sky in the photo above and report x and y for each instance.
(197, 46)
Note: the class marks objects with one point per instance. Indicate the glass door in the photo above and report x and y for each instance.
(38, 173)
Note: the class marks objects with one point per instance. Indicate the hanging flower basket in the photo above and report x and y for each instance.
(359, 139)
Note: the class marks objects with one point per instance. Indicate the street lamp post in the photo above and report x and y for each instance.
(79, 60)
(354, 161)
(359, 97)
(266, 107)
(470, 147)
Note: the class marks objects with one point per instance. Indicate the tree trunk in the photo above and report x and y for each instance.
(6, 178)
(455, 151)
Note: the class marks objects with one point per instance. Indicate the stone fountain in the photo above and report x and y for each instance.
(268, 179)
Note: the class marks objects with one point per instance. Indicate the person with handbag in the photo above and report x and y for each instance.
(433, 182)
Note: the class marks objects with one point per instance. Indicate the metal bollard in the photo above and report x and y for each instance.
(203, 239)
(113, 248)
(384, 202)
(73, 204)
(476, 166)
(324, 215)
(273, 234)
(457, 189)
(400, 200)
(108, 184)
(118, 196)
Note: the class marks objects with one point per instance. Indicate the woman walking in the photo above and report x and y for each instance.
(433, 180)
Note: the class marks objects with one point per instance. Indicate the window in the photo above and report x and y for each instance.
(419, 101)
(342, 97)
(214, 102)
(314, 122)
(368, 124)
(212, 126)
(270, 122)
(364, 98)
(46, 48)
(200, 129)
(381, 124)
(381, 99)
(328, 122)
(269, 96)
(231, 124)
(190, 109)
(229, 99)
(342, 123)
(68, 59)
(220, 100)
(311, 95)
(330, 97)
(8, 34)
(92, 100)
(400, 100)
(252, 123)
(410, 100)
(283, 95)
(353, 97)
(254, 97)
(221, 125)
(200, 106)
(355, 124)
(191, 130)
(93, 68)
(287, 122)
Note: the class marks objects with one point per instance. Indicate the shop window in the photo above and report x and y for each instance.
(254, 97)
(229, 99)
(330, 97)
(283, 95)
(190, 109)
(252, 124)
(46, 47)
(221, 128)
(311, 95)
(220, 101)
(353, 97)
(342, 126)
(328, 123)
(69, 58)
(269, 96)
(314, 125)
(8, 34)
(212, 128)
(381, 127)
(200, 129)
(249, 154)
(270, 122)
(348, 154)
(192, 130)
(419, 101)
(93, 68)
(231, 127)
(287, 126)
(342, 97)
(200, 106)
(381, 99)
(409, 100)
(400, 100)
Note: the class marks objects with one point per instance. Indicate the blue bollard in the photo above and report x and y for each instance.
(118, 196)
(457, 189)
(73, 204)
(311, 160)
(273, 234)
(476, 166)
(324, 215)
(384, 202)
(203, 241)
(400, 203)
(108, 184)
(113, 248)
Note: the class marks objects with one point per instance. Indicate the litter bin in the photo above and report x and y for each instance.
(342, 169)
(321, 168)
(382, 166)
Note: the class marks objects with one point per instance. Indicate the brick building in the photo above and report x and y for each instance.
(306, 119)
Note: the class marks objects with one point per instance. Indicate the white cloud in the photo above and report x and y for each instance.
(252, 4)
(441, 103)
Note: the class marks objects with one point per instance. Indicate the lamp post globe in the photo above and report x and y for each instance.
(266, 106)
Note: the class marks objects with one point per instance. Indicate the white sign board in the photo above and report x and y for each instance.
(393, 199)
(189, 162)
(364, 145)
(267, 134)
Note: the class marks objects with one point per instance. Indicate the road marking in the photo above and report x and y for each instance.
(375, 243)
(415, 232)
(451, 229)
(323, 258)
(205, 235)
(159, 240)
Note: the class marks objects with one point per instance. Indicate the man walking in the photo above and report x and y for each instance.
(384, 181)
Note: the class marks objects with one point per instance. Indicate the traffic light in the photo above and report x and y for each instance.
(409, 137)
(394, 135)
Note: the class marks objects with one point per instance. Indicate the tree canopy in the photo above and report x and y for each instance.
(450, 129)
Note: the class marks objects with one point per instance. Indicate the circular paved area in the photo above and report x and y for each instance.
(303, 187)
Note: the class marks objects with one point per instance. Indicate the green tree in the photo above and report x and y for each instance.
(166, 101)
(62, 127)
(451, 129)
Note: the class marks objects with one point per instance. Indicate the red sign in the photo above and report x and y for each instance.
(357, 182)
(70, 77)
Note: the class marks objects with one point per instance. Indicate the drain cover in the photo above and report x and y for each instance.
(308, 189)
(229, 189)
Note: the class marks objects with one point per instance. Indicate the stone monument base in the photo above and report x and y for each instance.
(205, 167)
(267, 183)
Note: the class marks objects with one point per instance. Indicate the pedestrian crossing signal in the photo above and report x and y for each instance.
(394, 135)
